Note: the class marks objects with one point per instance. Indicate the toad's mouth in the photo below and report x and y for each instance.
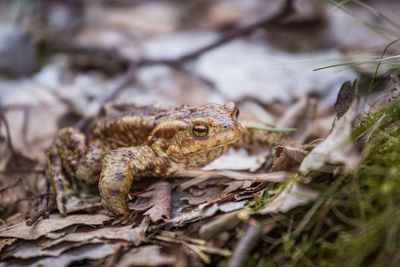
(217, 147)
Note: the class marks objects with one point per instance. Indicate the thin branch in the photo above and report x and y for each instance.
(5, 188)
(128, 78)
(43, 208)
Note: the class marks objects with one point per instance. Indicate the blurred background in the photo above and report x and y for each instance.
(62, 60)
(282, 62)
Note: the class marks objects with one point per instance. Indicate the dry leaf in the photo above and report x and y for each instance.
(146, 256)
(294, 195)
(201, 212)
(34, 249)
(263, 73)
(337, 148)
(231, 206)
(287, 158)
(84, 252)
(238, 160)
(54, 223)
(300, 116)
(208, 195)
(6, 242)
(147, 18)
(161, 201)
(126, 233)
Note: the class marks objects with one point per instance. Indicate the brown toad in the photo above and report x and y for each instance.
(132, 142)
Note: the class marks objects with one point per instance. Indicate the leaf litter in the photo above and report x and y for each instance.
(221, 211)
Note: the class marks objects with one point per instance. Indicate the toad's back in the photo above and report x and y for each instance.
(123, 125)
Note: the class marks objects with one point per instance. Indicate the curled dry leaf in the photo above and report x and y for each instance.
(54, 223)
(337, 148)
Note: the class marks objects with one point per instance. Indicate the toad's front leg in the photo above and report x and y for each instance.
(68, 155)
(123, 165)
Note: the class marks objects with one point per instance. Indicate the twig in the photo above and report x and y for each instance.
(245, 246)
(43, 208)
(128, 78)
(17, 182)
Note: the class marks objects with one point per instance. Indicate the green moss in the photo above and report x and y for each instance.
(356, 220)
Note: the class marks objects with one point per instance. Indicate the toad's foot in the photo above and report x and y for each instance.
(120, 219)
(118, 209)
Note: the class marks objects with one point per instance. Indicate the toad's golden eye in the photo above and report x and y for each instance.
(200, 130)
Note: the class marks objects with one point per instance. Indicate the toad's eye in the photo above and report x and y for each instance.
(200, 130)
(237, 113)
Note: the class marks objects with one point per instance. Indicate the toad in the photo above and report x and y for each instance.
(129, 142)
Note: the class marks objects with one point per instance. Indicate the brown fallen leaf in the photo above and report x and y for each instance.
(6, 242)
(150, 255)
(215, 193)
(34, 249)
(160, 195)
(54, 223)
(127, 233)
(344, 99)
(287, 158)
(209, 195)
(84, 252)
(300, 116)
